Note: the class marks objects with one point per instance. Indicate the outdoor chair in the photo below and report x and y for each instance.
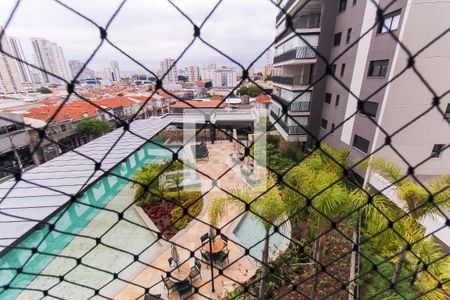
(195, 271)
(206, 257)
(168, 284)
(204, 238)
(222, 257)
(184, 288)
(224, 239)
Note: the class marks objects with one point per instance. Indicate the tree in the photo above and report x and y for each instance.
(251, 91)
(317, 190)
(95, 127)
(416, 198)
(177, 180)
(44, 90)
(268, 209)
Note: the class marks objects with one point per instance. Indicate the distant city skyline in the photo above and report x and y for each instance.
(78, 38)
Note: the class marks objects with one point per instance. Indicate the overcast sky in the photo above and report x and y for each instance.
(148, 30)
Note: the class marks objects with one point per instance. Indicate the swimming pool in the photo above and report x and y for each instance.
(251, 234)
(88, 218)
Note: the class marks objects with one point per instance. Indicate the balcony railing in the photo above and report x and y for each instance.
(297, 106)
(291, 130)
(292, 80)
(301, 22)
(296, 53)
(286, 8)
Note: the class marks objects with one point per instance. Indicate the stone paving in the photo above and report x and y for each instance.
(240, 267)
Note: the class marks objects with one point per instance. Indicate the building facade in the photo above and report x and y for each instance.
(193, 73)
(50, 57)
(224, 77)
(115, 75)
(17, 51)
(169, 67)
(368, 65)
(10, 80)
(207, 72)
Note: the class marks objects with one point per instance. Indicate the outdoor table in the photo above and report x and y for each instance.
(217, 245)
(181, 273)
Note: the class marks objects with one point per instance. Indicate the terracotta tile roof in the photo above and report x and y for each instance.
(216, 98)
(73, 111)
(263, 98)
(197, 104)
(114, 102)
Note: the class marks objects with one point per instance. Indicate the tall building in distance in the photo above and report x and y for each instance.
(17, 51)
(207, 72)
(115, 75)
(75, 66)
(193, 73)
(368, 68)
(224, 77)
(10, 81)
(50, 57)
(169, 66)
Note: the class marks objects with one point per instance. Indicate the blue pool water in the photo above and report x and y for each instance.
(70, 222)
(251, 234)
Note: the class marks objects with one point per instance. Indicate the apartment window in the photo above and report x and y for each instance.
(447, 112)
(323, 123)
(360, 143)
(437, 149)
(332, 127)
(342, 5)
(333, 69)
(337, 39)
(3, 130)
(390, 22)
(370, 109)
(342, 69)
(354, 2)
(327, 98)
(63, 127)
(349, 35)
(378, 68)
(338, 97)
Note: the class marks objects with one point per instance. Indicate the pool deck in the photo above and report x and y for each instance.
(240, 267)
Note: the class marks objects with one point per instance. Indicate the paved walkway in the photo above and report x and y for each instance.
(240, 267)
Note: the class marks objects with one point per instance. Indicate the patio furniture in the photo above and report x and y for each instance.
(168, 284)
(222, 257)
(195, 270)
(217, 245)
(224, 239)
(201, 151)
(204, 238)
(184, 288)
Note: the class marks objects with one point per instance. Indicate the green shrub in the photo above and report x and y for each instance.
(178, 217)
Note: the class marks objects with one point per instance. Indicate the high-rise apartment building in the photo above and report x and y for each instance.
(208, 72)
(224, 77)
(10, 81)
(193, 73)
(17, 51)
(115, 75)
(385, 94)
(50, 57)
(169, 66)
(75, 66)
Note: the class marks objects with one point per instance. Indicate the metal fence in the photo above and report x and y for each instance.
(340, 238)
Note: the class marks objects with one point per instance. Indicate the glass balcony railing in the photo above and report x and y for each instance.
(289, 129)
(304, 52)
(292, 80)
(286, 7)
(299, 22)
(296, 106)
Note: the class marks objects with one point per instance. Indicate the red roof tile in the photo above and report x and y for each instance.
(262, 98)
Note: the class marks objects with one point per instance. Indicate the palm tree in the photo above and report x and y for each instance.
(177, 180)
(267, 209)
(319, 179)
(415, 198)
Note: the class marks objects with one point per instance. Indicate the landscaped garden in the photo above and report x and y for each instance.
(166, 198)
(397, 260)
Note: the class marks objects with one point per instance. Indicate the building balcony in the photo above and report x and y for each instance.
(293, 105)
(292, 80)
(309, 22)
(296, 54)
(286, 8)
(288, 129)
